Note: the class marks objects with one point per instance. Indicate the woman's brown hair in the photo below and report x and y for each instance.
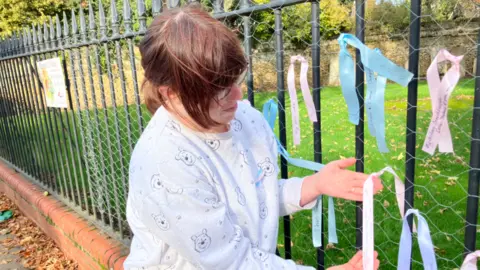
(194, 55)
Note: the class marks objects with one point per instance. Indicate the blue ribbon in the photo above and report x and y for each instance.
(373, 61)
(424, 241)
(270, 109)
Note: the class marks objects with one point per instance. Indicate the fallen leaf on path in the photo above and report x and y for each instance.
(38, 251)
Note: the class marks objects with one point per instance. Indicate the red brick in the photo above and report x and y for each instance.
(67, 227)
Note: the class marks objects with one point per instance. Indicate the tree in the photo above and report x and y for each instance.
(16, 14)
(297, 31)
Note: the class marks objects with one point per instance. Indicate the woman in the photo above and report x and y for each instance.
(203, 188)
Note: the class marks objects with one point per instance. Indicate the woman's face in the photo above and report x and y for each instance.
(223, 110)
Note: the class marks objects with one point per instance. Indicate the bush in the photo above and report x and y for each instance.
(390, 17)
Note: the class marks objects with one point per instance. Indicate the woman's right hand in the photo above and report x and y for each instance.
(335, 180)
(356, 263)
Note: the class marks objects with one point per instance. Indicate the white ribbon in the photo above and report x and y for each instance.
(438, 132)
(307, 97)
(470, 262)
(367, 225)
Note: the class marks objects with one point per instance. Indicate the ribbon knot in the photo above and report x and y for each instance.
(373, 61)
(368, 214)
(307, 97)
(299, 58)
(440, 90)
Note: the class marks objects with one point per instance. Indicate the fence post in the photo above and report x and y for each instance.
(413, 62)
(15, 91)
(32, 41)
(360, 128)
(474, 174)
(122, 176)
(129, 35)
(281, 124)
(69, 100)
(317, 135)
(247, 37)
(412, 104)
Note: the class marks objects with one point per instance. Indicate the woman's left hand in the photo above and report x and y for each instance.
(336, 181)
(356, 263)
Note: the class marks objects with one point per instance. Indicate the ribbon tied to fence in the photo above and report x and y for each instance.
(424, 241)
(368, 216)
(470, 262)
(440, 90)
(307, 97)
(270, 109)
(373, 61)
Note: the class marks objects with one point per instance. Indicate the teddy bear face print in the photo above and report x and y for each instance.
(185, 156)
(236, 125)
(201, 241)
(158, 184)
(214, 144)
(267, 167)
(161, 222)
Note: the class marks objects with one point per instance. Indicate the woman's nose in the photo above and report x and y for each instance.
(236, 93)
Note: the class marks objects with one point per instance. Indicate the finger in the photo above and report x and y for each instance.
(354, 197)
(376, 262)
(377, 185)
(344, 163)
(356, 258)
(358, 264)
(359, 182)
(355, 175)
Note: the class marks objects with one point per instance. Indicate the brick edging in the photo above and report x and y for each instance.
(79, 240)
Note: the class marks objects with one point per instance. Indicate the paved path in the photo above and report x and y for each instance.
(9, 260)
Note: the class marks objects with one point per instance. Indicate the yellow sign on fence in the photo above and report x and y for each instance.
(53, 81)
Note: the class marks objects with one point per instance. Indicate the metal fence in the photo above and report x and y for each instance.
(81, 154)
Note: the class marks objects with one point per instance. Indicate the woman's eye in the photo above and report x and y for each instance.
(224, 94)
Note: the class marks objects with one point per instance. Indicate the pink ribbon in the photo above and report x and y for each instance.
(438, 132)
(367, 218)
(293, 95)
(470, 262)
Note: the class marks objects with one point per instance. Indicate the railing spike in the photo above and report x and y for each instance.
(141, 16)
(156, 7)
(127, 17)
(91, 22)
(103, 22)
(114, 17)
(83, 26)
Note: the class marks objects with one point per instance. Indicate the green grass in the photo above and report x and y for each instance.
(441, 181)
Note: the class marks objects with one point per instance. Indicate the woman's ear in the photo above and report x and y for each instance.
(167, 93)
